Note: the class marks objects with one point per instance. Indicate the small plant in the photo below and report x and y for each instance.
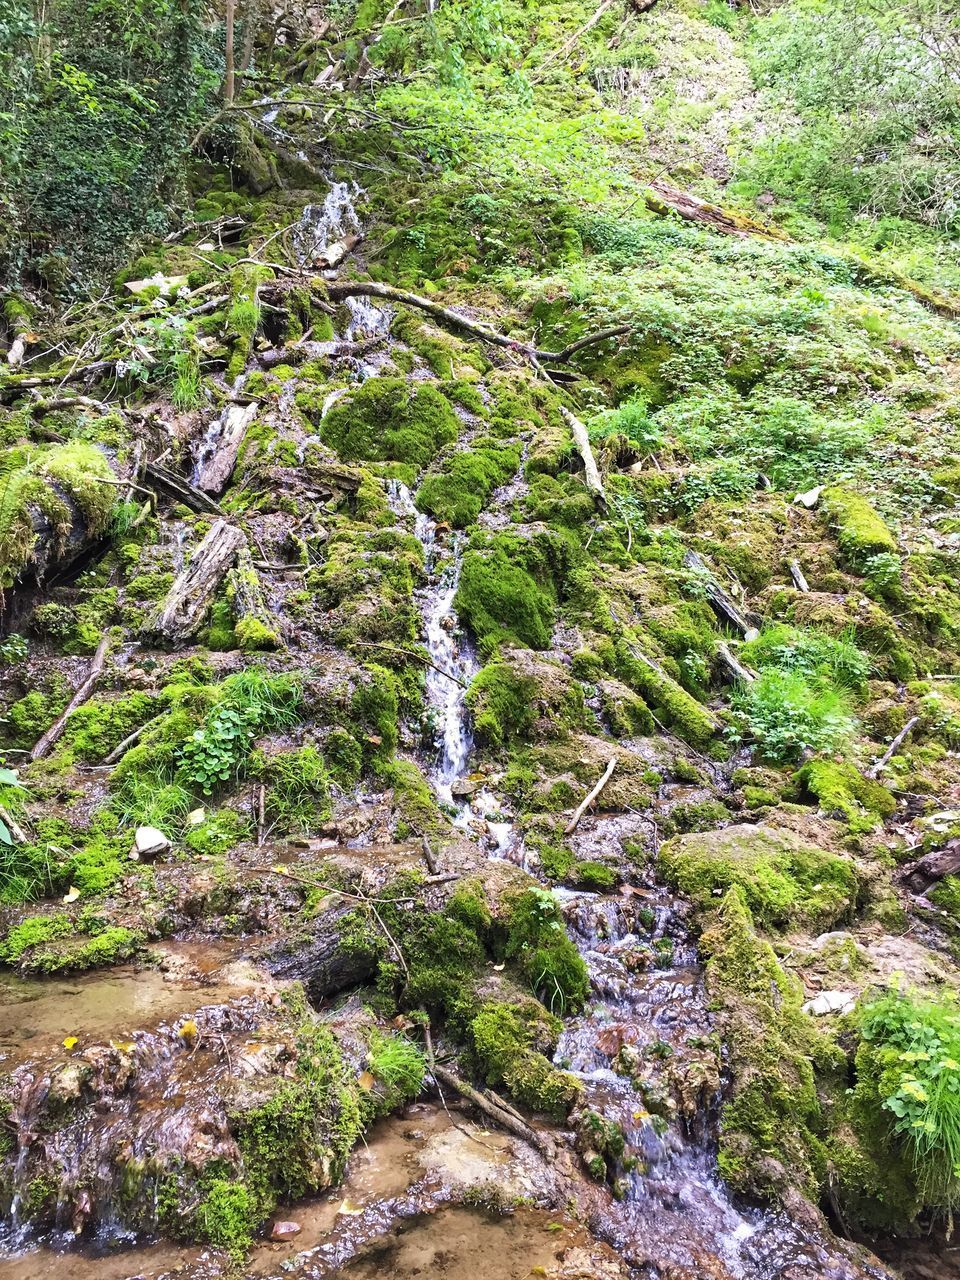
(882, 571)
(910, 1067)
(13, 649)
(812, 654)
(11, 795)
(398, 1065)
(787, 715)
(631, 424)
(252, 702)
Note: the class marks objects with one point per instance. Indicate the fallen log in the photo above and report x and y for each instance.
(663, 199)
(256, 624)
(734, 666)
(218, 452)
(720, 601)
(53, 734)
(796, 573)
(370, 289)
(181, 490)
(180, 615)
(320, 960)
(591, 473)
(926, 871)
(588, 801)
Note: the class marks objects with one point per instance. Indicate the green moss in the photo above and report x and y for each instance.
(50, 484)
(31, 716)
(344, 756)
(226, 1216)
(595, 876)
(461, 491)
(98, 864)
(364, 590)
(217, 833)
(784, 881)
(669, 700)
(843, 791)
(374, 708)
(545, 955)
(388, 419)
(101, 724)
(860, 531)
(772, 1124)
(57, 944)
(498, 598)
(508, 1042)
(501, 700)
(413, 799)
(254, 636)
(298, 789)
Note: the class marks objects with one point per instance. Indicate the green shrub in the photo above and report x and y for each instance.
(810, 654)
(786, 715)
(298, 794)
(389, 419)
(548, 959)
(908, 1068)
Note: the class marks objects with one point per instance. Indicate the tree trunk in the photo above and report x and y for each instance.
(182, 612)
(256, 625)
(218, 458)
(320, 960)
(228, 79)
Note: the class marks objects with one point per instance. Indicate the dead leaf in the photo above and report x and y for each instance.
(69, 1042)
(366, 1081)
(72, 894)
(352, 1210)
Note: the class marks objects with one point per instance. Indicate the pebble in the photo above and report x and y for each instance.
(285, 1230)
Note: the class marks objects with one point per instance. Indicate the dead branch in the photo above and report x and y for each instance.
(591, 474)
(371, 289)
(408, 653)
(796, 573)
(42, 748)
(885, 759)
(122, 747)
(491, 1107)
(720, 600)
(736, 668)
(181, 490)
(585, 804)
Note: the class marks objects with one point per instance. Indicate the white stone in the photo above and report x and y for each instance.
(828, 1002)
(149, 842)
(810, 498)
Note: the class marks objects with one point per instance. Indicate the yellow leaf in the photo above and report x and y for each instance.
(366, 1081)
(188, 1031)
(72, 894)
(121, 1046)
(69, 1042)
(352, 1210)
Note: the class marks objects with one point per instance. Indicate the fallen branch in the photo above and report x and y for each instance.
(123, 747)
(572, 42)
(585, 805)
(17, 833)
(182, 490)
(370, 289)
(42, 748)
(736, 668)
(408, 653)
(885, 759)
(491, 1106)
(722, 603)
(796, 573)
(591, 474)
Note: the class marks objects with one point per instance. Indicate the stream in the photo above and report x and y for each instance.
(643, 1047)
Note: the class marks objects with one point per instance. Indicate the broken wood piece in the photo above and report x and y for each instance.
(17, 833)
(735, 667)
(720, 600)
(428, 857)
(591, 473)
(180, 615)
(219, 448)
(885, 759)
(82, 694)
(585, 805)
(122, 747)
(663, 199)
(796, 573)
(334, 254)
(181, 490)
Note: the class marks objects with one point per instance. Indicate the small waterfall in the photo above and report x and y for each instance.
(321, 225)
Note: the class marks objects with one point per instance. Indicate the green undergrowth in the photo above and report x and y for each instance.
(61, 944)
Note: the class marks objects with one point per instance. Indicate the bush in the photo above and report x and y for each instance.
(908, 1069)
(786, 715)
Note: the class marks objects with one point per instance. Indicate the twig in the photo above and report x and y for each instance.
(607, 774)
(261, 815)
(409, 653)
(81, 695)
(122, 747)
(591, 475)
(884, 760)
(797, 574)
(16, 831)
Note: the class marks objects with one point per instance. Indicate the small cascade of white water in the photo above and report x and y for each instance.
(447, 680)
(321, 225)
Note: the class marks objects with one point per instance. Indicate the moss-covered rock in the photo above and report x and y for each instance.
(860, 531)
(389, 419)
(843, 791)
(784, 880)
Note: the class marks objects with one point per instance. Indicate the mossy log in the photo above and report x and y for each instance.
(180, 615)
(663, 199)
(55, 503)
(318, 957)
(256, 624)
(721, 601)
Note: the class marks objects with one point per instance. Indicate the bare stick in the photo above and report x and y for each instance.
(607, 775)
(14, 827)
(408, 653)
(122, 747)
(796, 573)
(370, 289)
(591, 474)
(82, 694)
(428, 857)
(884, 760)
(501, 1115)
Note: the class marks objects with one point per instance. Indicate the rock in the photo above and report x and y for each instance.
(148, 843)
(809, 499)
(828, 1002)
(166, 284)
(285, 1230)
(463, 788)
